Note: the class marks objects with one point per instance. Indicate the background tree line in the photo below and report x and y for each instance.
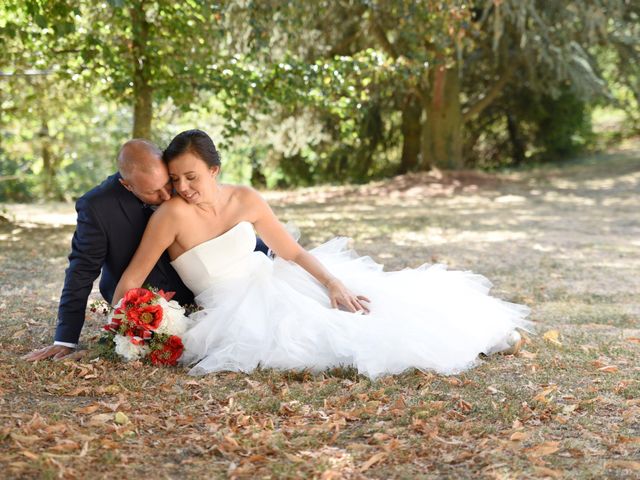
(297, 93)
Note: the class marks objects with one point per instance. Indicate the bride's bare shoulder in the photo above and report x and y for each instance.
(244, 194)
(175, 206)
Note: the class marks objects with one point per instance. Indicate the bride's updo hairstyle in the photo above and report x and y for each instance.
(195, 142)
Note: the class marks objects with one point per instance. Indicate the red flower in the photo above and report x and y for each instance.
(169, 353)
(115, 323)
(148, 316)
(113, 326)
(137, 296)
(166, 295)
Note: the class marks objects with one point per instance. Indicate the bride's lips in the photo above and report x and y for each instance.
(189, 197)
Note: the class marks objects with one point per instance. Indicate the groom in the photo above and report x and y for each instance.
(111, 220)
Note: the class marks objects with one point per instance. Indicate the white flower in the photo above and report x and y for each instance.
(174, 322)
(127, 350)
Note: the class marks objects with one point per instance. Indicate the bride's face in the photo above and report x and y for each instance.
(192, 178)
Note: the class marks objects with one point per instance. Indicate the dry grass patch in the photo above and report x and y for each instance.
(564, 241)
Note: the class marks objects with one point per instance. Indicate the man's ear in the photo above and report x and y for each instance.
(124, 184)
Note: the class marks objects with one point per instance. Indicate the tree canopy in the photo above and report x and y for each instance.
(305, 92)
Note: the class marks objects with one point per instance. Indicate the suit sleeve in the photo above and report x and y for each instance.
(88, 252)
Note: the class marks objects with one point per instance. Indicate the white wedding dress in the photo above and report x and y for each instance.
(272, 313)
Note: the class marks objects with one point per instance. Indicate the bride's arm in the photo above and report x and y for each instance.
(158, 236)
(280, 241)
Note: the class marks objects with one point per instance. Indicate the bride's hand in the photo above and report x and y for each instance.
(341, 297)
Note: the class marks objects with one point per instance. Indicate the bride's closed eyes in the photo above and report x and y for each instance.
(175, 181)
(189, 177)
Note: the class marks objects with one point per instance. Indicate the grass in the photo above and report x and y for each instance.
(562, 240)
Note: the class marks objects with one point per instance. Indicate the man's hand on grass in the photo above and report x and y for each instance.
(54, 352)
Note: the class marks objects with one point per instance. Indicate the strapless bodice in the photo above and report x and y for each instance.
(224, 257)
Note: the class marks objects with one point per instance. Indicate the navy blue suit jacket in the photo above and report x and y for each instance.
(111, 221)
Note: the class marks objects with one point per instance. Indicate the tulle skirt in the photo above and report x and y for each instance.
(276, 315)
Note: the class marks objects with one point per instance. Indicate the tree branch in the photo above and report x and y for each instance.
(351, 32)
(380, 35)
(4, 178)
(344, 43)
(493, 93)
(26, 73)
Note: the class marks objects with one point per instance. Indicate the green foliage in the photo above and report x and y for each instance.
(620, 65)
(296, 93)
(563, 125)
(105, 348)
(17, 181)
(496, 48)
(530, 127)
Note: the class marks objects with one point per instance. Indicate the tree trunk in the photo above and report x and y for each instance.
(517, 143)
(49, 165)
(442, 133)
(411, 128)
(142, 90)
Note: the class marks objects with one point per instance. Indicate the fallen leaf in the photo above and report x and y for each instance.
(517, 436)
(112, 406)
(24, 439)
(293, 458)
(85, 449)
(464, 405)
(89, 409)
(573, 453)
(146, 419)
(79, 391)
(548, 472)
(608, 369)
(121, 418)
(331, 474)
(633, 339)
(624, 464)
(542, 396)
(110, 389)
(623, 439)
(378, 457)
(255, 459)
(552, 336)
(57, 428)
(544, 448)
(65, 446)
(29, 454)
(381, 437)
(100, 419)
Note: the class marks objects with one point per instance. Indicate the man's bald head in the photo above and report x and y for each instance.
(138, 154)
(143, 172)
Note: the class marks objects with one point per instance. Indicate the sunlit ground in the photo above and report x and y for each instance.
(565, 241)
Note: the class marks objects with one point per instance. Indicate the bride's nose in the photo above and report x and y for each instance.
(180, 185)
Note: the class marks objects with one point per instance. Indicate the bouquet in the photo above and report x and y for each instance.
(147, 324)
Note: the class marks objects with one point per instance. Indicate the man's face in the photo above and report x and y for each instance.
(151, 187)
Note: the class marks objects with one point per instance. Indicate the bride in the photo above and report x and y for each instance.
(299, 310)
